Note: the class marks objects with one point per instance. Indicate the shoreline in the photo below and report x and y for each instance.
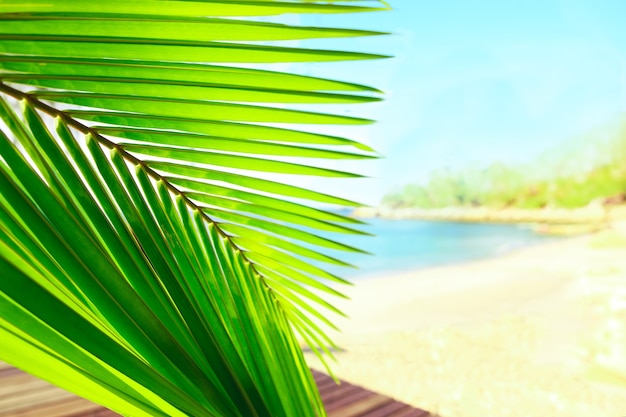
(496, 336)
(387, 288)
(593, 214)
(364, 276)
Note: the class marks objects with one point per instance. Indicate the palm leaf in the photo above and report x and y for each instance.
(145, 265)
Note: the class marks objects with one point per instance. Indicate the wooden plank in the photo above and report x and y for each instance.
(8, 370)
(324, 384)
(318, 376)
(70, 407)
(34, 398)
(339, 403)
(386, 410)
(411, 412)
(16, 383)
(339, 392)
(357, 408)
(23, 395)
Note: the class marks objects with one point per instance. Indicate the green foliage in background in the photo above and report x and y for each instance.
(145, 263)
(570, 178)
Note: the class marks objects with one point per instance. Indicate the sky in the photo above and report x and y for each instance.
(474, 82)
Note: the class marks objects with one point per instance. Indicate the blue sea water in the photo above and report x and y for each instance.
(410, 244)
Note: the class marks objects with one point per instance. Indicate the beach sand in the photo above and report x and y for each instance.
(517, 335)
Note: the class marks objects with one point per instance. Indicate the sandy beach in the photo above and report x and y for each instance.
(519, 335)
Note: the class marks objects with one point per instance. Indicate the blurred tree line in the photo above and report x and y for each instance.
(589, 169)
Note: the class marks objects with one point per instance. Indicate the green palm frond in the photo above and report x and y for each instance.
(144, 263)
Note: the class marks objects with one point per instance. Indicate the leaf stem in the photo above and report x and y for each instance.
(51, 111)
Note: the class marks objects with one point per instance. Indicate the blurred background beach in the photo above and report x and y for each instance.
(538, 331)
(498, 285)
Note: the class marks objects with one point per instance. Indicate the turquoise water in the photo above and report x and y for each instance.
(411, 244)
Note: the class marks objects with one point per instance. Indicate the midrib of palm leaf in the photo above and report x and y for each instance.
(255, 366)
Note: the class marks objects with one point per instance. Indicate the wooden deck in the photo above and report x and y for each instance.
(22, 395)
